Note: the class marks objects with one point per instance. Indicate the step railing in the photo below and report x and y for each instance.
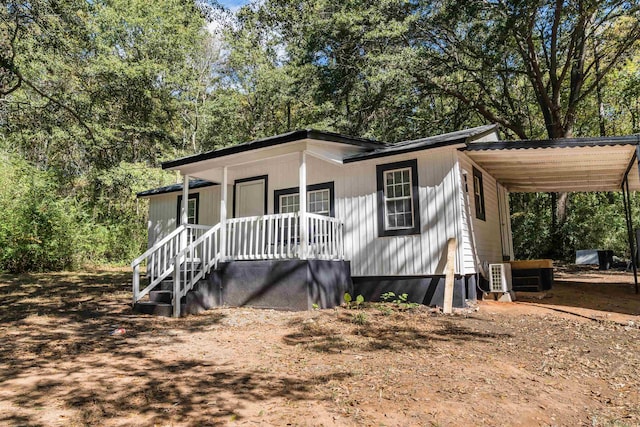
(159, 259)
(193, 263)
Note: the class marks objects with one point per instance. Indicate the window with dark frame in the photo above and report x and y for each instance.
(320, 199)
(398, 203)
(478, 194)
(193, 207)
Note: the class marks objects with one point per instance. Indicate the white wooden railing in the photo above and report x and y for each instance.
(326, 237)
(190, 252)
(160, 258)
(263, 237)
(193, 263)
(278, 237)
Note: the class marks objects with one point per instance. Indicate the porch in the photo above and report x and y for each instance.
(201, 260)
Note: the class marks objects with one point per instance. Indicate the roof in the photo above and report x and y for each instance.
(193, 184)
(555, 143)
(451, 138)
(297, 135)
(557, 165)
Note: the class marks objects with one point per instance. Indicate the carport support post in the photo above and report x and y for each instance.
(626, 200)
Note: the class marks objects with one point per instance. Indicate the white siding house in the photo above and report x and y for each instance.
(389, 239)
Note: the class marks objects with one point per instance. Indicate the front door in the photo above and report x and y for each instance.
(245, 237)
(250, 197)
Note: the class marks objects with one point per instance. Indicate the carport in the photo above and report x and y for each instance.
(566, 165)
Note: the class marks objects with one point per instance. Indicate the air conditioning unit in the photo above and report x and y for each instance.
(500, 277)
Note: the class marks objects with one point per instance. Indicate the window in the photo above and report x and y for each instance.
(319, 199)
(192, 209)
(289, 203)
(398, 207)
(478, 194)
(318, 202)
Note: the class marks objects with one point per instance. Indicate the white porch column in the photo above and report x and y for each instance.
(184, 210)
(223, 215)
(303, 205)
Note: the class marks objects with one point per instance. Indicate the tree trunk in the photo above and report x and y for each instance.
(559, 206)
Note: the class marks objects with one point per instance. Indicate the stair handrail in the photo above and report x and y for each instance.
(158, 245)
(163, 250)
(186, 262)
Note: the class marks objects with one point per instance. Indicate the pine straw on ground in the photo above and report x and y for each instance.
(515, 364)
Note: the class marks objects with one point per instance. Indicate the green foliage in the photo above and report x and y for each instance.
(359, 318)
(594, 221)
(42, 230)
(38, 230)
(92, 94)
(402, 300)
(350, 303)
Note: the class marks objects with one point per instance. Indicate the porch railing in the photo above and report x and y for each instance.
(190, 252)
(326, 237)
(160, 258)
(263, 237)
(278, 237)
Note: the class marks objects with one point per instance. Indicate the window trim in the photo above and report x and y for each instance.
(296, 190)
(480, 208)
(382, 207)
(194, 196)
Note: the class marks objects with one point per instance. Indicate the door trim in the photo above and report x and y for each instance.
(264, 178)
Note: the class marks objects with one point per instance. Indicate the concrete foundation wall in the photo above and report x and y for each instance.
(282, 284)
(427, 290)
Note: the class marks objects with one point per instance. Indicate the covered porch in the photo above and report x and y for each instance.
(264, 224)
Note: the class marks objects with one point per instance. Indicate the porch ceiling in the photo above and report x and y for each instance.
(586, 164)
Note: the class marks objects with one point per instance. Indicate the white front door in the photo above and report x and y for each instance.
(249, 198)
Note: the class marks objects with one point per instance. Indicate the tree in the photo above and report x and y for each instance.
(499, 57)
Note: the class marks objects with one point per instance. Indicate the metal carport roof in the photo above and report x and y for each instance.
(578, 164)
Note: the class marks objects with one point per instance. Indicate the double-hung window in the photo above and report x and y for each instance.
(192, 209)
(398, 208)
(319, 199)
(478, 194)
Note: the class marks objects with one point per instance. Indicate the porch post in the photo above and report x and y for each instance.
(223, 215)
(303, 204)
(184, 210)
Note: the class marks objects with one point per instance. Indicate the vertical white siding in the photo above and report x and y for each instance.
(356, 203)
(482, 235)
(164, 207)
(440, 208)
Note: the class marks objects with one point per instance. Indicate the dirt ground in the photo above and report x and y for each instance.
(568, 357)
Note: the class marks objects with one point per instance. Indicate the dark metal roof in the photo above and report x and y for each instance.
(296, 135)
(554, 143)
(450, 138)
(193, 184)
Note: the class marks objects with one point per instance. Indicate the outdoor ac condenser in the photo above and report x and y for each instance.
(500, 277)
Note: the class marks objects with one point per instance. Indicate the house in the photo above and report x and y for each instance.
(374, 217)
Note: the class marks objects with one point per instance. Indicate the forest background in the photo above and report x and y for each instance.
(94, 95)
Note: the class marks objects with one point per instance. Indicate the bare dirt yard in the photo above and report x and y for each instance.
(568, 357)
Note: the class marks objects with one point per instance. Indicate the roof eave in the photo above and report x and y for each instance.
(294, 136)
(377, 155)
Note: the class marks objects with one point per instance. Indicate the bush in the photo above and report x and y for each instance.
(38, 231)
(49, 226)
